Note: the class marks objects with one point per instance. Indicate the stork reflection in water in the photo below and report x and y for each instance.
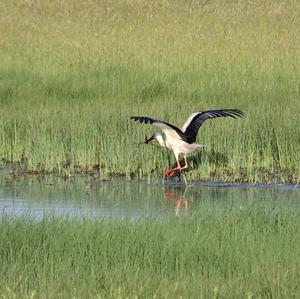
(178, 196)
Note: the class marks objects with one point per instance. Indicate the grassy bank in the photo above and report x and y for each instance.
(224, 250)
(72, 74)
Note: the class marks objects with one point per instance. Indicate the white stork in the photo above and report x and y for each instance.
(181, 141)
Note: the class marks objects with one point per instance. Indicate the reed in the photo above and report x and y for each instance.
(237, 249)
(72, 74)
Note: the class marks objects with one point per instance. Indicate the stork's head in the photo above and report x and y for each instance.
(156, 136)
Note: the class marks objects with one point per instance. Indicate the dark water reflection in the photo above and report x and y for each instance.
(121, 199)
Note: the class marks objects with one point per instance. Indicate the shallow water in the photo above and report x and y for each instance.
(127, 199)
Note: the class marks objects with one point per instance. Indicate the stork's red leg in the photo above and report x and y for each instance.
(185, 164)
(171, 172)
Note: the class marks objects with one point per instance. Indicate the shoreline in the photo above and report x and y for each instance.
(16, 170)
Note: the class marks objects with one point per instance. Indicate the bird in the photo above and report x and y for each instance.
(182, 141)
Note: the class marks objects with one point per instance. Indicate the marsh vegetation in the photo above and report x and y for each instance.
(222, 251)
(73, 72)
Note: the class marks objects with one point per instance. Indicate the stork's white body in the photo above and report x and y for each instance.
(177, 145)
(174, 142)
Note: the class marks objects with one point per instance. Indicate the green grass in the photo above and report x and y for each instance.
(72, 73)
(238, 249)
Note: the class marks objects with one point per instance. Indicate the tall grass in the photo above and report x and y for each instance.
(243, 249)
(72, 73)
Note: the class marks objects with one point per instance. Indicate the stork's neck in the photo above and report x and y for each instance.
(161, 141)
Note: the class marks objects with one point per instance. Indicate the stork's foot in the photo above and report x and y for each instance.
(170, 173)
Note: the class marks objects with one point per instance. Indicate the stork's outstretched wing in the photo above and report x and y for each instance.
(195, 121)
(168, 129)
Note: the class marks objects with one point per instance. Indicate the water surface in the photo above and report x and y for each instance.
(38, 197)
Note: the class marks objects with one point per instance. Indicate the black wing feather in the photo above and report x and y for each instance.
(146, 120)
(192, 129)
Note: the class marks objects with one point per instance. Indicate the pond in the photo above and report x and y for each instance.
(119, 199)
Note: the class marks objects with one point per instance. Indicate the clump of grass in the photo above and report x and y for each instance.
(72, 74)
(224, 250)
